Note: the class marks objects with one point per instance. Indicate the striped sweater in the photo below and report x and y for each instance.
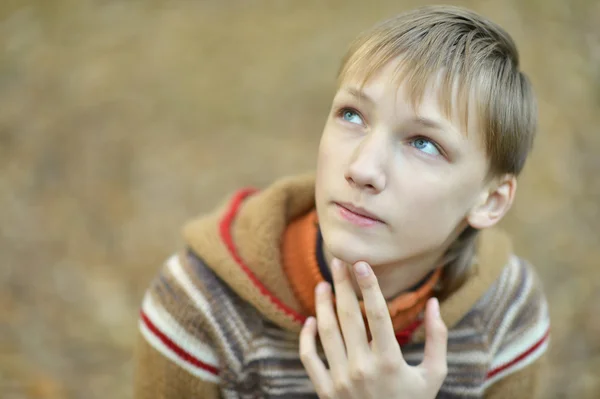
(221, 320)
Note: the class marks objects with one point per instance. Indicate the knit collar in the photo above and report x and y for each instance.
(305, 267)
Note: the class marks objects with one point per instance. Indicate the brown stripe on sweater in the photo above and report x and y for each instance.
(516, 300)
(235, 316)
(531, 310)
(504, 296)
(166, 292)
(201, 276)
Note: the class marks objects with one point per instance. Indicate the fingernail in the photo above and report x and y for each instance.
(309, 321)
(362, 269)
(436, 308)
(322, 288)
(336, 265)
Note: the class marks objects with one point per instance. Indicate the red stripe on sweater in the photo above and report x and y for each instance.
(225, 230)
(522, 356)
(177, 349)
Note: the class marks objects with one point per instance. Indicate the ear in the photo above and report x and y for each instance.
(494, 203)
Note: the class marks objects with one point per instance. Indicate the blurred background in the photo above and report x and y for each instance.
(119, 120)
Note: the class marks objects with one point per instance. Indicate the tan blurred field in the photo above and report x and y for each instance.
(120, 119)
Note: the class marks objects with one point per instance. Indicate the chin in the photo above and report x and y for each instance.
(351, 249)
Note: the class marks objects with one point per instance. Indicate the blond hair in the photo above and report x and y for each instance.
(479, 65)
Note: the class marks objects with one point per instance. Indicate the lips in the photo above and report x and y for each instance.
(361, 212)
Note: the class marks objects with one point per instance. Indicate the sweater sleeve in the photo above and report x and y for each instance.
(174, 355)
(157, 377)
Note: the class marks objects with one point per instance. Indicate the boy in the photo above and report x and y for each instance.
(388, 255)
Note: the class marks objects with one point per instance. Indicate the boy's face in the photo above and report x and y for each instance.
(419, 175)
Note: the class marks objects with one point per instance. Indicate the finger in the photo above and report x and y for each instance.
(436, 341)
(329, 332)
(378, 315)
(349, 313)
(316, 370)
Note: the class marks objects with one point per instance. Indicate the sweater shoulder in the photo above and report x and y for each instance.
(197, 321)
(519, 334)
(515, 302)
(504, 332)
(175, 320)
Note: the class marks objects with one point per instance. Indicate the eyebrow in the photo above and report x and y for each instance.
(359, 94)
(430, 123)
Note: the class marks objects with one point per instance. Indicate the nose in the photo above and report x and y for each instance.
(366, 170)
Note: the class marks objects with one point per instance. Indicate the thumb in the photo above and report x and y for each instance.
(434, 361)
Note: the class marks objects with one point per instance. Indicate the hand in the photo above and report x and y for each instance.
(358, 369)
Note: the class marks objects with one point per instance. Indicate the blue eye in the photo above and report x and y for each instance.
(426, 146)
(352, 117)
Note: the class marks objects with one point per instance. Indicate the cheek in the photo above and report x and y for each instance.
(432, 207)
(325, 158)
(440, 188)
(330, 158)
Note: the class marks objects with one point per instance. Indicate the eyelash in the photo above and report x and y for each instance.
(436, 145)
(342, 110)
(340, 114)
